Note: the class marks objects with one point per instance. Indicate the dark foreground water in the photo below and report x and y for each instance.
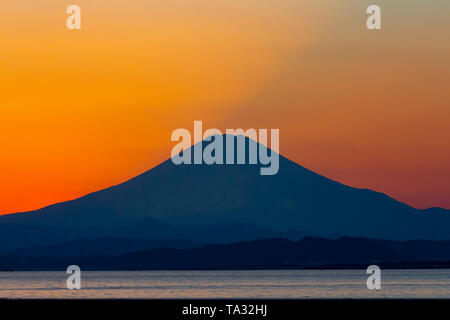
(228, 284)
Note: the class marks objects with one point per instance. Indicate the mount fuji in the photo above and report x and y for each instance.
(192, 195)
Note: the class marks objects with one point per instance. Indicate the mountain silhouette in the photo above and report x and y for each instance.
(295, 198)
(15, 236)
(272, 254)
(98, 247)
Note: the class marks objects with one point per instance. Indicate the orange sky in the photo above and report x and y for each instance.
(83, 110)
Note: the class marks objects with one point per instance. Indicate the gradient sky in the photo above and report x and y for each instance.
(84, 110)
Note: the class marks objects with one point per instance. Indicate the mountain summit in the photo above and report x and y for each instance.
(196, 194)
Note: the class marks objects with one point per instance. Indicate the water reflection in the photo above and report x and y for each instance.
(227, 284)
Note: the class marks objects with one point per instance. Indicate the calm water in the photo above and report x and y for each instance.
(227, 284)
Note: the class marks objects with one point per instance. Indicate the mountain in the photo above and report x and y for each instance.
(27, 237)
(295, 198)
(97, 247)
(259, 254)
(15, 236)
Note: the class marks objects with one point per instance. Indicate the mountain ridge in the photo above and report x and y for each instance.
(275, 253)
(184, 195)
(17, 237)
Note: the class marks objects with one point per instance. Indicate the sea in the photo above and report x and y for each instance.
(267, 284)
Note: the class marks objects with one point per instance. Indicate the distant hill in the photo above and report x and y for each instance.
(260, 254)
(296, 198)
(99, 247)
(14, 236)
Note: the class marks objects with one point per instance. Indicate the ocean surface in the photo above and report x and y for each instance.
(227, 284)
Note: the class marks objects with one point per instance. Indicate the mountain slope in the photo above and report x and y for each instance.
(295, 198)
(99, 247)
(16, 236)
(259, 254)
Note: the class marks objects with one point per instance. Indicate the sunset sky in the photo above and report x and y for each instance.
(85, 109)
